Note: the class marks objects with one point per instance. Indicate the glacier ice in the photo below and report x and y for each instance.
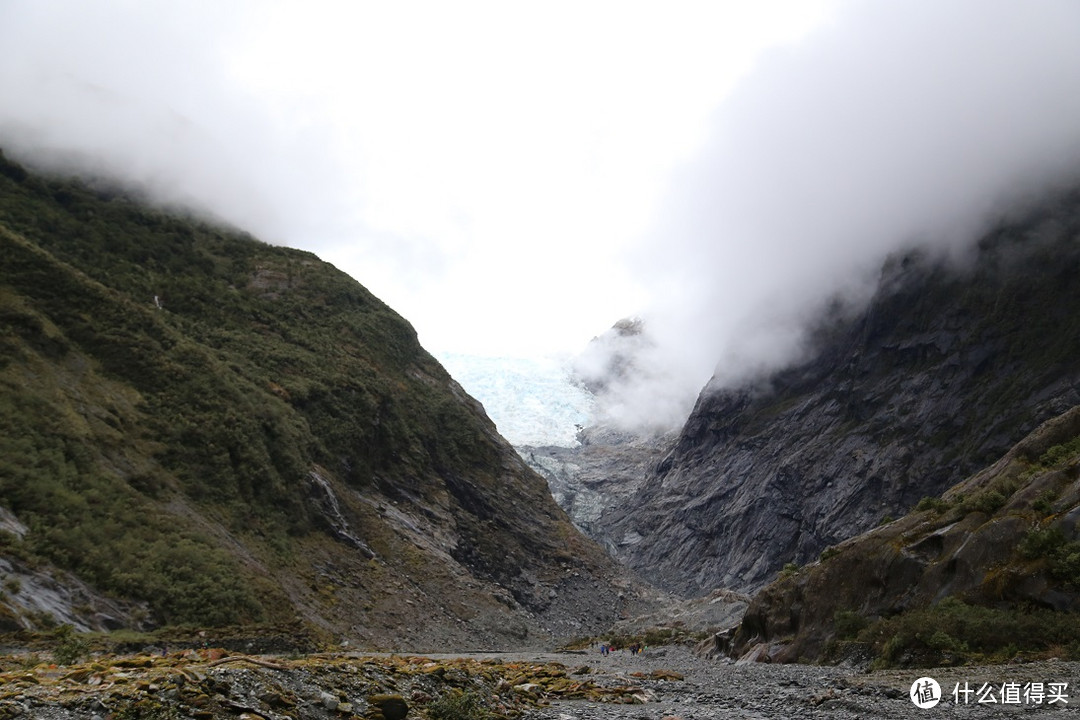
(532, 401)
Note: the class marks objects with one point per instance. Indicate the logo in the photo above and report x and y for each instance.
(925, 692)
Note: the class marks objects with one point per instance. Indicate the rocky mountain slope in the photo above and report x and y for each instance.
(944, 371)
(993, 565)
(197, 428)
(595, 479)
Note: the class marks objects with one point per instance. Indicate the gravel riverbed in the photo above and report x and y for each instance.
(665, 683)
(718, 689)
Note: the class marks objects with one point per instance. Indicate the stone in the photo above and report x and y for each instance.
(392, 707)
(660, 674)
(328, 700)
(528, 688)
(757, 654)
(275, 699)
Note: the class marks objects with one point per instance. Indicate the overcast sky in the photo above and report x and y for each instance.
(480, 166)
(515, 177)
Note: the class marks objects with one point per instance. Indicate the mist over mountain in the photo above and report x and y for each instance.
(762, 187)
(937, 377)
(896, 126)
(829, 264)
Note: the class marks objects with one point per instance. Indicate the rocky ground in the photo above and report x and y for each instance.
(718, 689)
(666, 682)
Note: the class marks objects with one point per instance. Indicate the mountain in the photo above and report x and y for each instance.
(595, 478)
(951, 363)
(200, 429)
(991, 568)
(611, 458)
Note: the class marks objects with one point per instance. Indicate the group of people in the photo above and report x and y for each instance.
(633, 648)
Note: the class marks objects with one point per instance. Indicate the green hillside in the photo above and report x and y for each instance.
(224, 431)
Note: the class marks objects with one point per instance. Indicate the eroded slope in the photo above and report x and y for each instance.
(210, 430)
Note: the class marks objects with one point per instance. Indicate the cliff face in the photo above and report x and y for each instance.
(1004, 538)
(599, 476)
(204, 429)
(942, 373)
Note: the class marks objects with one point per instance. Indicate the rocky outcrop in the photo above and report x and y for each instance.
(614, 357)
(1007, 536)
(945, 369)
(31, 597)
(593, 480)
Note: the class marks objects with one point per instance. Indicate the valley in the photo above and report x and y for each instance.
(219, 454)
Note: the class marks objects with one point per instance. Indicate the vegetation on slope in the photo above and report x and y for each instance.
(986, 572)
(185, 410)
(949, 365)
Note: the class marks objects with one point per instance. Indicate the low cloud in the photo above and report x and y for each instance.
(484, 170)
(141, 92)
(899, 125)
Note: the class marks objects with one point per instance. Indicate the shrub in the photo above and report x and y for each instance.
(458, 706)
(988, 501)
(953, 630)
(1060, 453)
(70, 648)
(1044, 503)
(848, 624)
(789, 570)
(1041, 543)
(944, 642)
(829, 552)
(1061, 555)
(653, 637)
(935, 504)
(1065, 565)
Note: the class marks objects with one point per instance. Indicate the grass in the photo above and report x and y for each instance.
(457, 705)
(261, 363)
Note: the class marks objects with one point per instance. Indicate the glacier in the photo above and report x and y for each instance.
(532, 401)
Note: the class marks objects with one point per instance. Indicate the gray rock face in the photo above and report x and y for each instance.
(974, 545)
(939, 376)
(31, 593)
(593, 481)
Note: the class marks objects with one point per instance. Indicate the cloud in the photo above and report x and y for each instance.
(513, 179)
(480, 166)
(897, 125)
(141, 92)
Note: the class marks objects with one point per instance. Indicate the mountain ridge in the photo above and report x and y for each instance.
(938, 585)
(221, 431)
(945, 369)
